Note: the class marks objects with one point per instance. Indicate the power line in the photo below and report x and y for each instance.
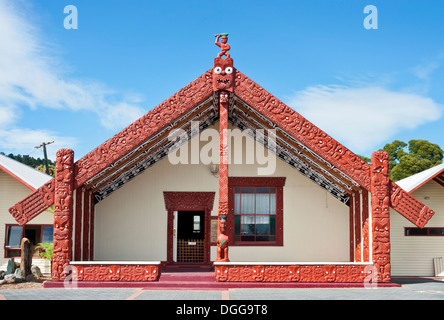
(44, 144)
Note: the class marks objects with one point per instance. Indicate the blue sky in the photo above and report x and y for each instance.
(79, 87)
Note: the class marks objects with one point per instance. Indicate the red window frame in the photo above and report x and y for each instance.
(256, 182)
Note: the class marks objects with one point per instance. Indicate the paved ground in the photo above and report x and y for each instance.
(410, 290)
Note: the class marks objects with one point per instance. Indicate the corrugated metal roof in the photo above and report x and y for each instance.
(411, 183)
(25, 174)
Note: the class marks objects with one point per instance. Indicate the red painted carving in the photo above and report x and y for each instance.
(303, 130)
(222, 237)
(293, 273)
(222, 241)
(78, 226)
(63, 213)
(325, 146)
(88, 272)
(409, 207)
(91, 228)
(143, 128)
(224, 46)
(34, 204)
(380, 199)
(223, 74)
(197, 91)
(86, 218)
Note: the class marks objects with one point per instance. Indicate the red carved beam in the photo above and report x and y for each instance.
(34, 204)
(143, 128)
(117, 146)
(325, 146)
(91, 228)
(294, 273)
(115, 272)
(78, 226)
(409, 207)
(303, 130)
(86, 220)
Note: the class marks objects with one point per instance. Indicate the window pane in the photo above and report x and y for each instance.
(262, 225)
(196, 224)
(273, 225)
(273, 203)
(263, 190)
(436, 232)
(237, 203)
(248, 190)
(237, 225)
(247, 203)
(14, 237)
(262, 203)
(47, 234)
(415, 232)
(247, 225)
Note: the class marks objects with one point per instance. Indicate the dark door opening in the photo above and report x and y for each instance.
(190, 236)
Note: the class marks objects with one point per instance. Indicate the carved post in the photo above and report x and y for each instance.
(63, 213)
(380, 202)
(222, 238)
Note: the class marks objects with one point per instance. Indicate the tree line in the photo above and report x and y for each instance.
(407, 159)
(36, 163)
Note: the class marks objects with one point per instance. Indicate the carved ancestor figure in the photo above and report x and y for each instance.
(222, 241)
(224, 46)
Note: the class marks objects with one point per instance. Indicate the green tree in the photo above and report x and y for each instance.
(421, 155)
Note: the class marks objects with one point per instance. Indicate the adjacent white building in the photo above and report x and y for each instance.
(18, 180)
(413, 250)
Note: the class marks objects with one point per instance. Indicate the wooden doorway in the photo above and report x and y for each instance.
(187, 202)
(190, 236)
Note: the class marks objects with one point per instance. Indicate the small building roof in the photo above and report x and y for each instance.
(23, 173)
(412, 183)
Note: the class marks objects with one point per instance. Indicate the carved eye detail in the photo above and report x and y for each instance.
(228, 70)
(217, 70)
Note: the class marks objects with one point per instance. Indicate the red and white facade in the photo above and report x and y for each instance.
(118, 209)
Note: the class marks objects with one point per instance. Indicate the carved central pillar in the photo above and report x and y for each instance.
(223, 77)
(63, 213)
(380, 201)
(222, 238)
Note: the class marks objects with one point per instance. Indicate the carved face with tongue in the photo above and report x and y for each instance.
(223, 74)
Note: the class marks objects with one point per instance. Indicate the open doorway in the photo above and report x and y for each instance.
(191, 236)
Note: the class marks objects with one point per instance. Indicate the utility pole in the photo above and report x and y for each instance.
(45, 155)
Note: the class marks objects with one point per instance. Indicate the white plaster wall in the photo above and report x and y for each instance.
(131, 224)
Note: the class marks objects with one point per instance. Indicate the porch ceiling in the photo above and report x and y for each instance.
(242, 116)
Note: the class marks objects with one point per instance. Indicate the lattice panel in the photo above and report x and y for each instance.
(191, 250)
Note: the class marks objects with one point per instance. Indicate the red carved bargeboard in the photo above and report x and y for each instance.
(143, 128)
(34, 204)
(115, 272)
(325, 146)
(295, 273)
(119, 145)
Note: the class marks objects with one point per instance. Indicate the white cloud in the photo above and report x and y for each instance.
(18, 140)
(32, 77)
(424, 70)
(364, 117)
